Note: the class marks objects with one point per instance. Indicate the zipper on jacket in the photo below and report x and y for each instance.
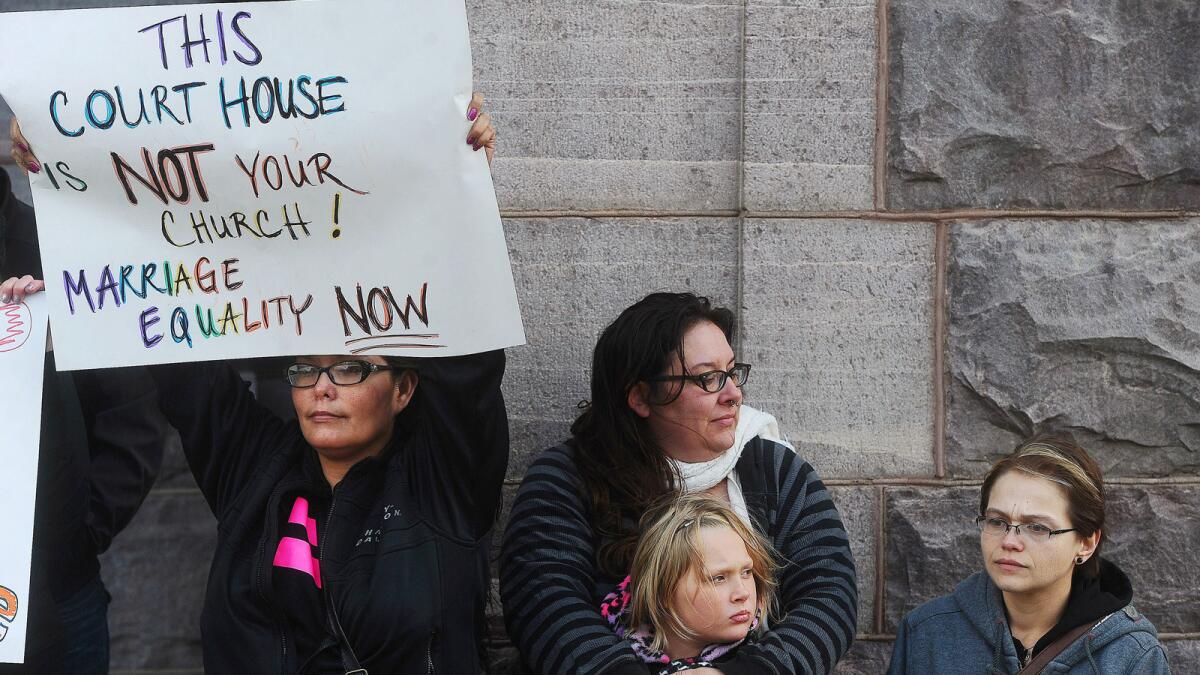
(429, 653)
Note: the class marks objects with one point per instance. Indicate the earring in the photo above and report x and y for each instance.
(1079, 560)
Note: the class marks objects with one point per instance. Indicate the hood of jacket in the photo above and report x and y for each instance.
(982, 604)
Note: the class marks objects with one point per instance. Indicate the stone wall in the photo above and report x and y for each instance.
(944, 224)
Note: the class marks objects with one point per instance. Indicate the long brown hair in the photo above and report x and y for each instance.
(1059, 460)
(624, 472)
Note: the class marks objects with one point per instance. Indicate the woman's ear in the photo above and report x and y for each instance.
(1087, 545)
(406, 387)
(638, 399)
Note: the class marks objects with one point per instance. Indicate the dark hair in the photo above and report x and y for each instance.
(624, 472)
(1060, 461)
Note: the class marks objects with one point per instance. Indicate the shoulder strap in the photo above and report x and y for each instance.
(1053, 649)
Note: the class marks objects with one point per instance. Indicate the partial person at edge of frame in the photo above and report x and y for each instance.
(1045, 598)
(357, 535)
(101, 448)
(666, 418)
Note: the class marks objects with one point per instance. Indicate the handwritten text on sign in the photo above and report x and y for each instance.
(22, 360)
(260, 179)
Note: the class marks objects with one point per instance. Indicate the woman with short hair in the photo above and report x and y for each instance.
(1045, 600)
(666, 418)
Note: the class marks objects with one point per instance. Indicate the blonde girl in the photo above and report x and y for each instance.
(702, 582)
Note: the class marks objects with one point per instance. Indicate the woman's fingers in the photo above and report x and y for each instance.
(483, 135)
(14, 289)
(21, 153)
(475, 106)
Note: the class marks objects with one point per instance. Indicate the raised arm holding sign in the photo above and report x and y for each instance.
(354, 537)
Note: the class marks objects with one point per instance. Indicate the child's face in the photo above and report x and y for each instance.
(720, 605)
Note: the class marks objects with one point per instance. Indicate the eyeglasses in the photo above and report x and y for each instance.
(343, 373)
(998, 527)
(712, 381)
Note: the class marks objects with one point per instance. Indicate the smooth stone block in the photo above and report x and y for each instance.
(838, 325)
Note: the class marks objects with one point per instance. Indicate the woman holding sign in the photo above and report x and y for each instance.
(356, 536)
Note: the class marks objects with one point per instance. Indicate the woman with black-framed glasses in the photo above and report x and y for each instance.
(666, 418)
(1045, 600)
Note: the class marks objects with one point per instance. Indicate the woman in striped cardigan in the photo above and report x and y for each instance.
(666, 417)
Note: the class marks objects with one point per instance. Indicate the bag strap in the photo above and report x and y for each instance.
(1055, 648)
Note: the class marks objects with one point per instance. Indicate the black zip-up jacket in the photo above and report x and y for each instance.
(403, 551)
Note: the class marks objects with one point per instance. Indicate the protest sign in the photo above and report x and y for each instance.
(22, 359)
(257, 179)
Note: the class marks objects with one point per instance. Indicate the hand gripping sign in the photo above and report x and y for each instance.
(259, 179)
(22, 359)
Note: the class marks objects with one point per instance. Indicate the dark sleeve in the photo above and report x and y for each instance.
(19, 253)
(460, 452)
(817, 590)
(126, 435)
(225, 433)
(547, 573)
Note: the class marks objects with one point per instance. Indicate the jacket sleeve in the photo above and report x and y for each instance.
(818, 595)
(547, 573)
(126, 435)
(225, 433)
(461, 454)
(898, 664)
(1153, 662)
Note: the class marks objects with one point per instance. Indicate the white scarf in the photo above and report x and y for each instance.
(700, 476)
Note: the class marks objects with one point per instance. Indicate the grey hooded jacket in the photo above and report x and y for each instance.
(966, 633)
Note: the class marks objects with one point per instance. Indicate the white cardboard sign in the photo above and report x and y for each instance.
(22, 359)
(256, 179)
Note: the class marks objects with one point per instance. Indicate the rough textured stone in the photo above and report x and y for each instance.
(156, 572)
(1088, 326)
(573, 277)
(860, 515)
(931, 544)
(865, 658)
(605, 105)
(1153, 535)
(1042, 103)
(1183, 655)
(837, 322)
(810, 105)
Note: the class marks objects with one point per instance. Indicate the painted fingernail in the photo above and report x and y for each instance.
(22, 147)
(4, 299)
(477, 147)
(29, 287)
(472, 114)
(470, 140)
(34, 167)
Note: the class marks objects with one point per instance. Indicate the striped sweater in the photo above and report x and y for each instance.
(550, 584)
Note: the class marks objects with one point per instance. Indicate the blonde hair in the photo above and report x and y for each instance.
(668, 550)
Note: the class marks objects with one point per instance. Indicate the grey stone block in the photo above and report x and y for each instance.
(612, 105)
(156, 572)
(860, 515)
(865, 658)
(573, 277)
(1040, 104)
(931, 543)
(1153, 535)
(810, 105)
(838, 324)
(1183, 655)
(1092, 327)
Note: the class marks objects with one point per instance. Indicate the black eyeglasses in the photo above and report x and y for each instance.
(998, 527)
(712, 381)
(343, 373)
